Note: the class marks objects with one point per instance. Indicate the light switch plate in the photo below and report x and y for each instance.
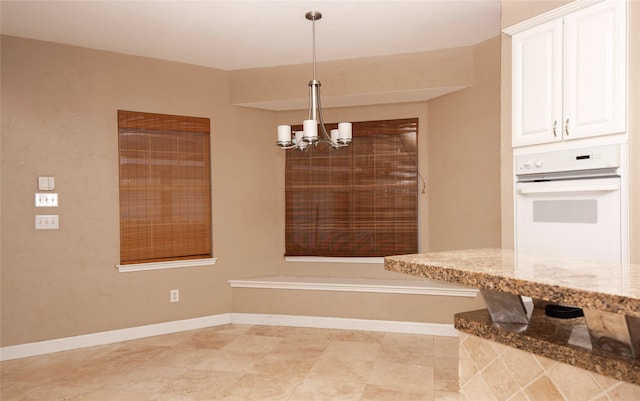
(47, 222)
(46, 199)
(46, 183)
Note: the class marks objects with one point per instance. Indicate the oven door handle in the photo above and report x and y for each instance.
(552, 190)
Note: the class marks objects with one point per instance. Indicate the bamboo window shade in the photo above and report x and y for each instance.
(165, 187)
(361, 200)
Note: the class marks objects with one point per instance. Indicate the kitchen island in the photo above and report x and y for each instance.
(604, 344)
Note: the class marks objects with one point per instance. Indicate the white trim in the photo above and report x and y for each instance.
(422, 287)
(132, 333)
(550, 15)
(324, 259)
(171, 264)
(387, 326)
(109, 337)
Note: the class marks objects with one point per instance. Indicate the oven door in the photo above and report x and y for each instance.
(570, 218)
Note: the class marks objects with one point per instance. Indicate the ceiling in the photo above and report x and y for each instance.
(240, 34)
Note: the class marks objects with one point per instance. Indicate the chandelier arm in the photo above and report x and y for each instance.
(321, 121)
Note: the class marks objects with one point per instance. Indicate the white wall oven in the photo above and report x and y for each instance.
(571, 203)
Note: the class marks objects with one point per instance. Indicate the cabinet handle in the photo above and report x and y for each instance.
(555, 124)
(566, 127)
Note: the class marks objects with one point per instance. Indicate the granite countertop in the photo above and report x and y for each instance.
(610, 287)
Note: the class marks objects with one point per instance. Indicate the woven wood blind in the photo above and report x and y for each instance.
(361, 200)
(165, 189)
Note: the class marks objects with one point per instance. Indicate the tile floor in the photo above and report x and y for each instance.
(242, 363)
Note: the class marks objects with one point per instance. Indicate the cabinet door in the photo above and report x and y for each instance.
(594, 71)
(537, 85)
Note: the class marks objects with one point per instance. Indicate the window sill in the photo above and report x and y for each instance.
(324, 259)
(172, 264)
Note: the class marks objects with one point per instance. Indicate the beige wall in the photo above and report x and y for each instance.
(59, 119)
(515, 11)
(464, 160)
(375, 306)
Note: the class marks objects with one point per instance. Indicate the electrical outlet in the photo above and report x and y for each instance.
(174, 295)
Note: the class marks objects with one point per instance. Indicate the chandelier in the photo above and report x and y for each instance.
(309, 135)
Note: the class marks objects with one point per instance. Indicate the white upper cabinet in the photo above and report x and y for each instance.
(569, 76)
(537, 84)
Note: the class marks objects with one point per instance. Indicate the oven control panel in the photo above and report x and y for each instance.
(600, 157)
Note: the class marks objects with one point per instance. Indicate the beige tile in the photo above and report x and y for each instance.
(143, 379)
(315, 390)
(446, 386)
(466, 367)
(355, 335)
(252, 344)
(240, 362)
(446, 369)
(604, 382)
(476, 389)
(286, 331)
(446, 396)
(111, 395)
(46, 392)
(31, 370)
(446, 346)
(236, 329)
(200, 384)
(575, 384)
(480, 351)
(546, 363)
(208, 339)
(292, 363)
(519, 396)
(463, 337)
(352, 350)
(228, 361)
(308, 345)
(258, 387)
(497, 347)
(132, 354)
(402, 377)
(422, 341)
(543, 389)
(407, 353)
(497, 376)
(165, 340)
(83, 354)
(12, 390)
(338, 370)
(523, 366)
(183, 357)
(379, 393)
(624, 392)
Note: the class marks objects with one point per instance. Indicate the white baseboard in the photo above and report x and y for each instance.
(132, 333)
(109, 337)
